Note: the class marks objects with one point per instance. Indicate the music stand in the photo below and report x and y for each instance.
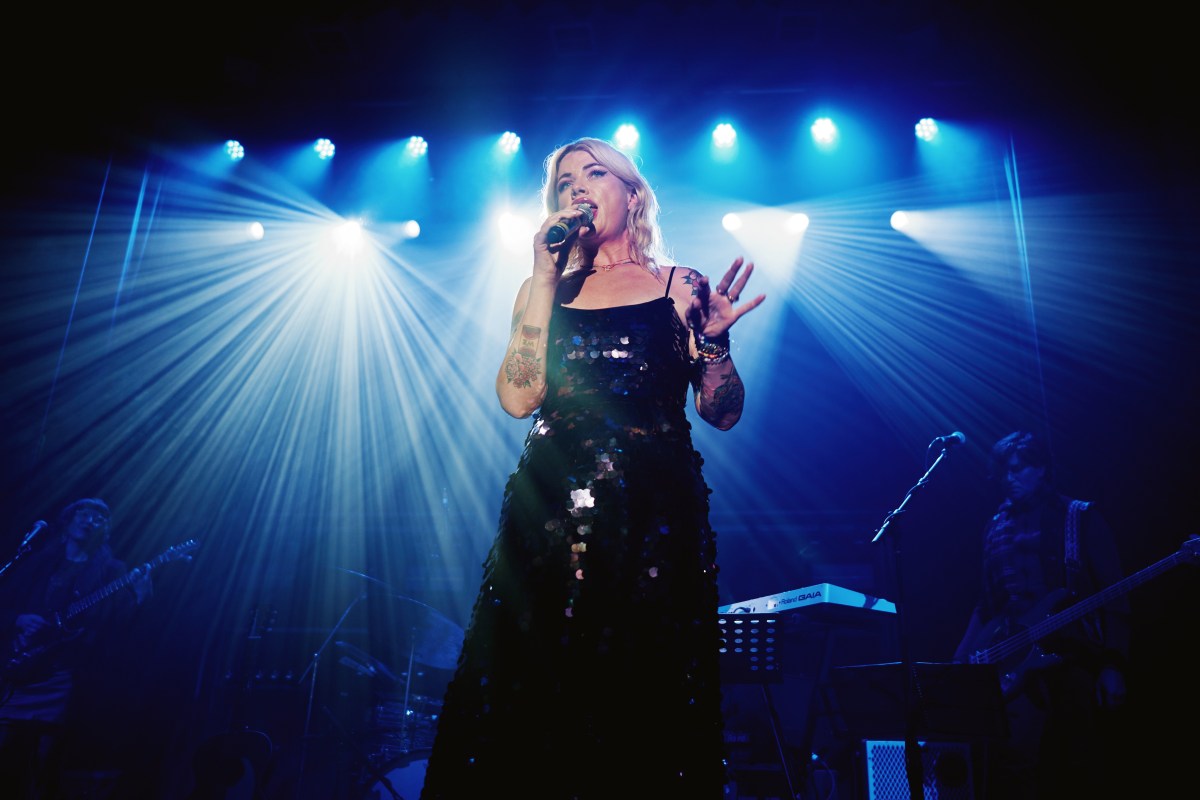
(749, 653)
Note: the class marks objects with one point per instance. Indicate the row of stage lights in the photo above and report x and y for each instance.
(514, 230)
(724, 137)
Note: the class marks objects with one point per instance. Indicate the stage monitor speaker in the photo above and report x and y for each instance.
(946, 769)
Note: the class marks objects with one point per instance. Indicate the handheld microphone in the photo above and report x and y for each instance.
(565, 227)
(950, 439)
(38, 527)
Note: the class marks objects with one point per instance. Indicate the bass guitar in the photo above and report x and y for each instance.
(29, 653)
(1022, 651)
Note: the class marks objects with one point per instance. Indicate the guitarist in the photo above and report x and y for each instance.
(35, 700)
(1041, 551)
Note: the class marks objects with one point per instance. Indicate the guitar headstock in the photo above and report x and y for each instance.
(1191, 549)
(183, 550)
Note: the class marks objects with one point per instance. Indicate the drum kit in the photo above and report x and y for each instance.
(393, 741)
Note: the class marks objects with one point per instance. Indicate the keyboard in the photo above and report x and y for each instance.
(812, 598)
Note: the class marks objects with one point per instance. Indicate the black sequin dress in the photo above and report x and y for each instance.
(589, 669)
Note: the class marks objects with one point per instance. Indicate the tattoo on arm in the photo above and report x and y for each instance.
(730, 396)
(692, 279)
(523, 367)
(527, 344)
(520, 371)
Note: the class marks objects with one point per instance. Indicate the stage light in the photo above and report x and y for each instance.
(235, 150)
(324, 149)
(927, 129)
(417, 146)
(509, 143)
(731, 222)
(349, 236)
(797, 223)
(255, 229)
(824, 132)
(899, 220)
(626, 137)
(724, 135)
(412, 229)
(516, 231)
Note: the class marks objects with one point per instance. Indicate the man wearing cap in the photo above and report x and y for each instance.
(42, 657)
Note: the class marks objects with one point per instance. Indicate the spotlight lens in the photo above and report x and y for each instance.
(627, 137)
(324, 148)
(724, 135)
(823, 130)
(417, 146)
(797, 223)
(510, 142)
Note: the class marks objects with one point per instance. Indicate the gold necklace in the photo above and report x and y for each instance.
(608, 267)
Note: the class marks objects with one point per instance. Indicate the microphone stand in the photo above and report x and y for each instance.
(24, 547)
(312, 686)
(913, 713)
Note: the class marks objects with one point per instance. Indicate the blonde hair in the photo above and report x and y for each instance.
(645, 236)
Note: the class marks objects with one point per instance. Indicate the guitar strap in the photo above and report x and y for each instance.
(1071, 558)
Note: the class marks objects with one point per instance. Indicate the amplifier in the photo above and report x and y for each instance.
(945, 768)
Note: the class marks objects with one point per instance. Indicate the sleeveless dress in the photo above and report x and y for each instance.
(589, 668)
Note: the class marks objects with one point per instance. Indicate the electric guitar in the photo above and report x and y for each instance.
(1021, 650)
(29, 653)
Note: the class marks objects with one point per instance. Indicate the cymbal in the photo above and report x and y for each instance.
(436, 639)
(375, 581)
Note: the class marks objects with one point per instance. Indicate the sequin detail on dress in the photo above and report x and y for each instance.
(589, 668)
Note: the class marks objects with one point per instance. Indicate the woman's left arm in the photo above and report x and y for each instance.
(717, 386)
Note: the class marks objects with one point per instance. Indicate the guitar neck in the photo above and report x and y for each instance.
(1050, 624)
(87, 601)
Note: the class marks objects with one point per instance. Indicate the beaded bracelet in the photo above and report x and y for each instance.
(712, 351)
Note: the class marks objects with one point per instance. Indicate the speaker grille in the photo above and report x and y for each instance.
(945, 767)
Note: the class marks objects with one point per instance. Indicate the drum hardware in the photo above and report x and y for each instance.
(364, 664)
(397, 731)
(434, 642)
(311, 671)
(368, 762)
(401, 778)
(434, 638)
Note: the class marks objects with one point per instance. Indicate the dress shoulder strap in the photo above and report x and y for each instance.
(670, 275)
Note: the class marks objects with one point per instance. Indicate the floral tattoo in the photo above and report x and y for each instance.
(522, 367)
